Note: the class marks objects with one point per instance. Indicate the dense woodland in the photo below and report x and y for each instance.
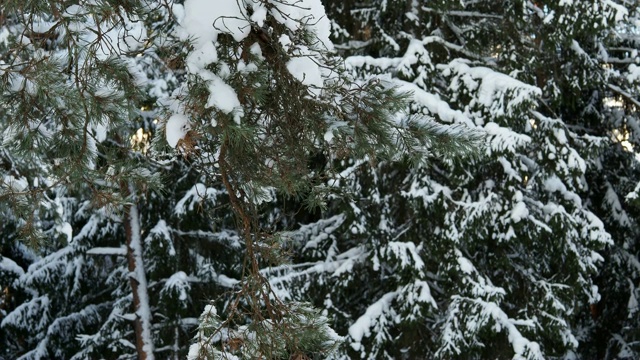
(307, 179)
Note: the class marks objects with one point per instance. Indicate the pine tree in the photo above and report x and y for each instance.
(78, 179)
(71, 89)
(130, 239)
(269, 112)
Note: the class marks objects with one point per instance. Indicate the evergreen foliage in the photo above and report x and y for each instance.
(248, 99)
(75, 173)
(512, 252)
(389, 179)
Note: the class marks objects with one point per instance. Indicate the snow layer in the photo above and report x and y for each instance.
(306, 71)
(179, 283)
(176, 128)
(222, 96)
(143, 311)
(201, 57)
(119, 251)
(310, 14)
(118, 40)
(500, 93)
(9, 265)
(374, 314)
(204, 20)
(198, 192)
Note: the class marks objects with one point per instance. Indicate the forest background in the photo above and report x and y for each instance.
(303, 179)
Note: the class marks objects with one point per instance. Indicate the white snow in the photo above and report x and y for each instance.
(143, 311)
(4, 40)
(15, 184)
(210, 310)
(465, 265)
(163, 232)
(16, 82)
(204, 20)
(117, 40)
(328, 136)
(74, 10)
(632, 304)
(119, 251)
(198, 192)
(33, 312)
(620, 12)
(201, 57)
(424, 293)
(100, 130)
(560, 136)
(502, 138)
(176, 128)
(634, 73)
(9, 265)
(553, 184)
(308, 13)
(433, 103)
(224, 280)
(222, 96)
(519, 212)
(259, 14)
(178, 282)
(407, 253)
(306, 70)
(498, 92)
(380, 313)
(194, 352)
(523, 347)
(66, 229)
(374, 313)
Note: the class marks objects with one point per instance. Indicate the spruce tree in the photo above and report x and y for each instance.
(506, 252)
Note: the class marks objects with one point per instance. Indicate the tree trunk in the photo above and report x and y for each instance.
(138, 280)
